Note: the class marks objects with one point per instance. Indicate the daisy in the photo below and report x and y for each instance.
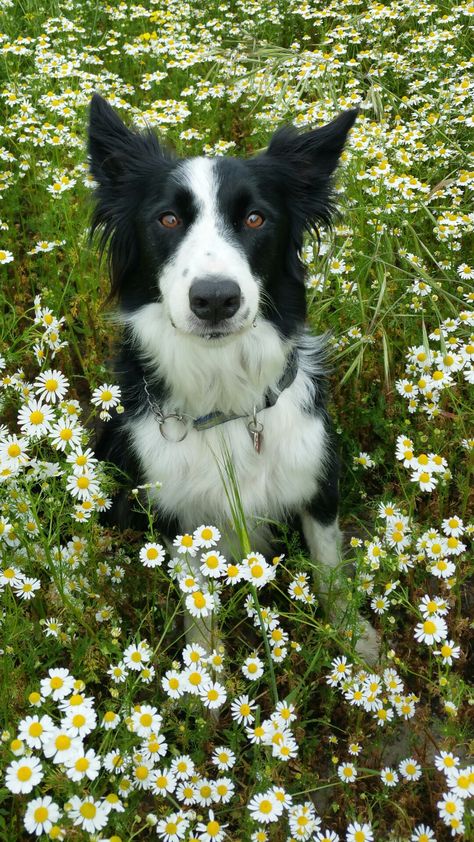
(431, 631)
(252, 668)
(425, 479)
(80, 722)
(118, 672)
(326, 836)
(448, 651)
(242, 710)
(83, 764)
(60, 746)
(422, 833)
(303, 820)
(110, 720)
(195, 679)
(204, 792)
(27, 587)
(106, 397)
(389, 776)
(146, 720)
(186, 544)
(65, 433)
(35, 418)
(206, 536)
(445, 761)
(357, 832)
(58, 684)
(87, 813)
(5, 256)
(347, 772)
(51, 385)
(450, 807)
(200, 603)
(84, 486)
(461, 781)
(224, 789)
(265, 807)
(82, 461)
(173, 828)
(135, 657)
(213, 695)
(183, 767)
(442, 568)
(213, 564)
(142, 773)
(233, 573)
(31, 729)
(40, 815)
(256, 570)
(13, 451)
(410, 769)
(432, 605)
(211, 831)
(173, 684)
(162, 781)
(152, 555)
(22, 775)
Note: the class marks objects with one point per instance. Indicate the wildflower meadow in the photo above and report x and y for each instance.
(113, 727)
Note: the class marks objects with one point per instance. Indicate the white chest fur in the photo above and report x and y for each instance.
(232, 378)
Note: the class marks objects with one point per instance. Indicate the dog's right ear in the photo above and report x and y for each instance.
(115, 150)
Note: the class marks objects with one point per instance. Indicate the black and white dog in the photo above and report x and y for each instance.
(204, 257)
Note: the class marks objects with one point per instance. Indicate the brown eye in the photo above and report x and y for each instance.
(169, 220)
(254, 220)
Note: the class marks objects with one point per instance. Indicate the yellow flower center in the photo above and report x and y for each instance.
(206, 534)
(265, 806)
(51, 385)
(56, 682)
(14, 450)
(429, 627)
(199, 599)
(35, 729)
(63, 742)
(24, 773)
(36, 417)
(88, 810)
(78, 720)
(146, 719)
(40, 815)
(187, 541)
(213, 828)
(152, 552)
(106, 395)
(141, 772)
(82, 764)
(83, 482)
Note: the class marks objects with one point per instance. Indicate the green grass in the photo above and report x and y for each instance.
(230, 74)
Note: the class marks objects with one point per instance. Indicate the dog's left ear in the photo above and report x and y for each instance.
(309, 159)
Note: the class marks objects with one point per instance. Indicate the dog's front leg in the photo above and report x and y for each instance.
(323, 538)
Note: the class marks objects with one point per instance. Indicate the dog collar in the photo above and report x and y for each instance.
(175, 426)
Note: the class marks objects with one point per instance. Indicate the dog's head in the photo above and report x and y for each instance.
(215, 240)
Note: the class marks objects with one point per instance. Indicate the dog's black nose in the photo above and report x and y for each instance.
(214, 299)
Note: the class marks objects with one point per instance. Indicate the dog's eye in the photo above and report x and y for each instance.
(254, 220)
(169, 220)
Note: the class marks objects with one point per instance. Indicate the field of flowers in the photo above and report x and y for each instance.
(113, 729)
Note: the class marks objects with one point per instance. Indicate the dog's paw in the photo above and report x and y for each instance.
(369, 642)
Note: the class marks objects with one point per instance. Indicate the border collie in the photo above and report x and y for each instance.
(204, 258)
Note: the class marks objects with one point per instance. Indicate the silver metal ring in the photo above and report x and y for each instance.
(178, 436)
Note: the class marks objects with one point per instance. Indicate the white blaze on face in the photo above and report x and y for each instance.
(207, 250)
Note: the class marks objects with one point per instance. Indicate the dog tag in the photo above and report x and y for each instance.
(255, 429)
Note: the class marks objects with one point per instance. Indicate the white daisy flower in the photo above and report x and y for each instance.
(41, 814)
(265, 807)
(389, 776)
(252, 668)
(31, 729)
(200, 603)
(431, 631)
(106, 396)
(83, 764)
(22, 775)
(51, 385)
(58, 684)
(65, 433)
(152, 555)
(213, 695)
(87, 813)
(35, 418)
(410, 769)
(206, 536)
